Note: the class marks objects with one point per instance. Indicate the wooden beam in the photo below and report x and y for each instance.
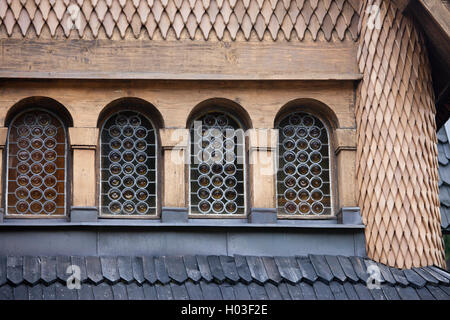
(434, 19)
(184, 59)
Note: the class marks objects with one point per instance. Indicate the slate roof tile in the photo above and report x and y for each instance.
(35, 293)
(390, 293)
(109, 269)
(272, 291)
(102, 292)
(31, 270)
(3, 277)
(48, 269)
(426, 276)
(295, 291)
(229, 269)
(350, 291)
(85, 292)
(49, 292)
(308, 291)
(125, 269)
(176, 269)
(359, 267)
(257, 291)
(336, 268)
(135, 292)
(62, 263)
(288, 269)
(210, 291)
(64, 293)
(203, 266)
(163, 292)
(21, 292)
(338, 291)
(192, 270)
(348, 268)
(425, 294)
(284, 292)
(257, 269)
(321, 267)
(149, 292)
(444, 177)
(14, 269)
(194, 291)
(148, 267)
(120, 291)
(323, 291)
(243, 269)
(80, 262)
(307, 269)
(138, 269)
(94, 269)
(179, 291)
(216, 277)
(362, 291)
(436, 275)
(386, 273)
(241, 292)
(216, 268)
(377, 294)
(407, 293)
(414, 279)
(227, 291)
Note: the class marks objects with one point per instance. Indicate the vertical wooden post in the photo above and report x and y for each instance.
(3, 141)
(345, 152)
(174, 143)
(396, 133)
(262, 164)
(83, 143)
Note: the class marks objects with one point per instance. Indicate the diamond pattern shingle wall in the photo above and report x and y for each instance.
(310, 277)
(396, 154)
(174, 19)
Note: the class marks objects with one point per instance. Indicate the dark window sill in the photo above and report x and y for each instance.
(207, 223)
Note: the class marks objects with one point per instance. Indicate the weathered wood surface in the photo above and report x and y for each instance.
(108, 59)
(175, 100)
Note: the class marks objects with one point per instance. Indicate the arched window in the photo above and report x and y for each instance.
(303, 178)
(36, 165)
(128, 163)
(217, 166)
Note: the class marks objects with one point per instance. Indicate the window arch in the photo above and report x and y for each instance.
(217, 166)
(128, 162)
(304, 176)
(36, 177)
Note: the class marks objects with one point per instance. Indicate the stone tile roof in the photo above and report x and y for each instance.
(444, 177)
(216, 277)
(169, 18)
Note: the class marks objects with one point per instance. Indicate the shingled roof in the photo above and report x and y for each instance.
(215, 278)
(444, 176)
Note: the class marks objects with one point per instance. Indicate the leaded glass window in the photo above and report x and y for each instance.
(37, 163)
(128, 165)
(303, 178)
(217, 166)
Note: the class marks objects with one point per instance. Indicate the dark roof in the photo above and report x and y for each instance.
(216, 277)
(444, 177)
